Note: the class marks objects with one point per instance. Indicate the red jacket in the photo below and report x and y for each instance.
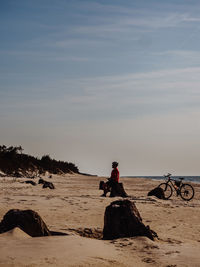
(115, 175)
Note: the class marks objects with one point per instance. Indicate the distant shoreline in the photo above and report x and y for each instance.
(186, 177)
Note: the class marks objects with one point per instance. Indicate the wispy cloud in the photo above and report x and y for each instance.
(191, 55)
(124, 23)
(124, 96)
(71, 42)
(41, 55)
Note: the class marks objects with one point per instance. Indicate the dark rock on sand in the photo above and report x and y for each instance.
(122, 219)
(157, 192)
(41, 181)
(46, 184)
(27, 220)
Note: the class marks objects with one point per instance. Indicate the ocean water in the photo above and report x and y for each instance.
(195, 179)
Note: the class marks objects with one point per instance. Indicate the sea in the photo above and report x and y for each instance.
(195, 179)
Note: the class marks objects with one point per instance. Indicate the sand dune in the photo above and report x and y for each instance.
(59, 251)
(76, 208)
(15, 233)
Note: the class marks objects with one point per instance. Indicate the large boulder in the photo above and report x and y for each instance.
(27, 220)
(157, 192)
(122, 219)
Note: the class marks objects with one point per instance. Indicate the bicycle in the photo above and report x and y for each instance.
(186, 191)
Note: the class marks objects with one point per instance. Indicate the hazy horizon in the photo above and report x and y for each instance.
(91, 82)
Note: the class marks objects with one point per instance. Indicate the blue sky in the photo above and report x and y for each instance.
(95, 81)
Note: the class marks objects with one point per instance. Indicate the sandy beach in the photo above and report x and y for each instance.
(75, 207)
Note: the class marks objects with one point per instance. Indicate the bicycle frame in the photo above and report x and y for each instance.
(170, 181)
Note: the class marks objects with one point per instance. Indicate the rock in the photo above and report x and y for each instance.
(157, 192)
(27, 220)
(41, 181)
(46, 184)
(122, 219)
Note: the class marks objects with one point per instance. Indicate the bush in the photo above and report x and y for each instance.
(13, 161)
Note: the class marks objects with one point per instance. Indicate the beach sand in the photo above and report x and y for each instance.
(76, 208)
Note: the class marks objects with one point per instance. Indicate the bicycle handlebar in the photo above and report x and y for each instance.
(167, 175)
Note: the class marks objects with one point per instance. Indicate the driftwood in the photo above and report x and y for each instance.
(27, 220)
(122, 219)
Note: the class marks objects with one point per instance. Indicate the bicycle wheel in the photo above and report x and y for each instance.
(186, 192)
(167, 190)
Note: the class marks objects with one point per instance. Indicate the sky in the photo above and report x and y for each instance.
(96, 81)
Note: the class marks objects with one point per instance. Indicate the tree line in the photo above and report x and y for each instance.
(14, 162)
